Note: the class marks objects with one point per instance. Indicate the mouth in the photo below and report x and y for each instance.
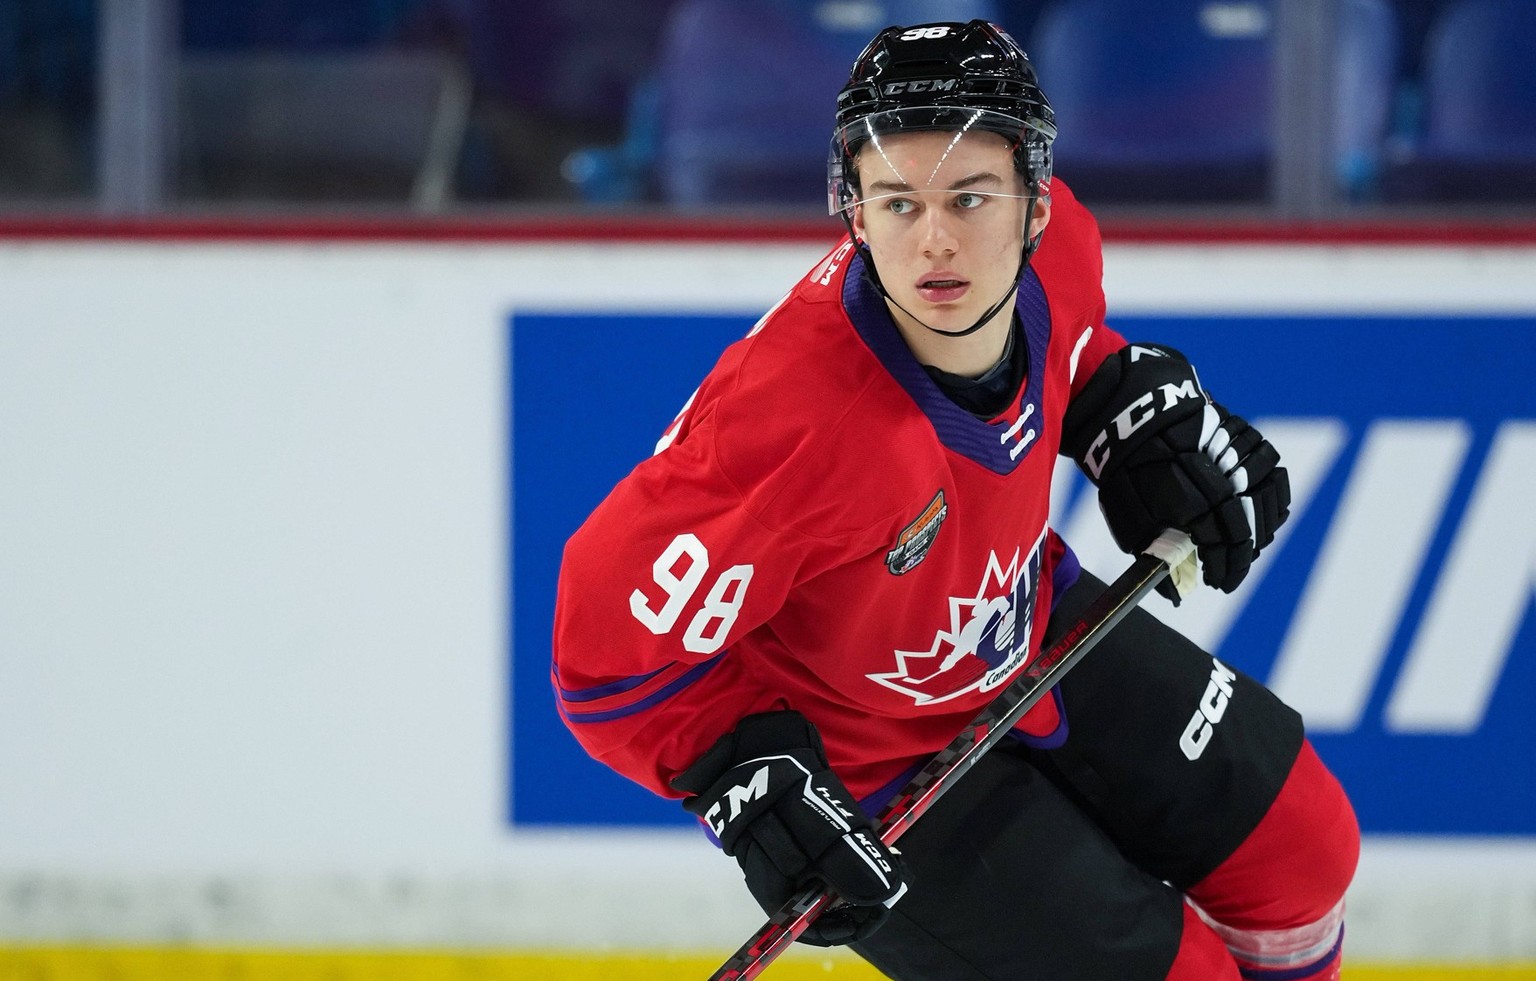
(942, 288)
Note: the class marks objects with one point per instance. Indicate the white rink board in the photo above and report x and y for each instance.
(252, 575)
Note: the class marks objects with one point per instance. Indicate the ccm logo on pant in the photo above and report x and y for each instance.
(1213, 705)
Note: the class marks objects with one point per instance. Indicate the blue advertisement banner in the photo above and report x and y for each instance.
(1395, 611)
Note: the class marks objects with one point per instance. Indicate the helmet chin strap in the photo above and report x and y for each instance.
(874, 277)
(980, 321)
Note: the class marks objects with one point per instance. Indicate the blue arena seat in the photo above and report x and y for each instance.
(1173, 101)
(1366, 89)
(1478, 135)
(742, 104)
(289, 25)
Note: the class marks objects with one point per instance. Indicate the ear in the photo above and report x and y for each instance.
(1041, 216)
(858, 222)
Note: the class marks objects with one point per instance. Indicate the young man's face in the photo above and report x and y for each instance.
(945, 241)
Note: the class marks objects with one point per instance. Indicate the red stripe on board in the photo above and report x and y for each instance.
(717, 228)
(563, 228)
(1374, 232)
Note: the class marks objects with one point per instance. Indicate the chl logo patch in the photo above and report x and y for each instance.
(916, 539)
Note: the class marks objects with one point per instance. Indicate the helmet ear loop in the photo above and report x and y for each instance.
(851, 201)
(862, 248)
(1031, 244)
(1029, 159)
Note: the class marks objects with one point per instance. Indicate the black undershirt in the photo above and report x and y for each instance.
(987, 396)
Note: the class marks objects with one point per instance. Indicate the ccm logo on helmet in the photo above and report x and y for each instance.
(1213, 705)
(920, 85)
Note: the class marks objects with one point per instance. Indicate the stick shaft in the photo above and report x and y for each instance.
(954, 760)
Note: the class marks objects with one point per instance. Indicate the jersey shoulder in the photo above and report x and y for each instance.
(1070, 259)
(802, 419)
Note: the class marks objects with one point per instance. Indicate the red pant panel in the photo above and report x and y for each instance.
(1293, 869)
(1202, 956)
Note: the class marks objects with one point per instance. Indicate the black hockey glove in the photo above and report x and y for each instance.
(766, 791)
(1164, 455)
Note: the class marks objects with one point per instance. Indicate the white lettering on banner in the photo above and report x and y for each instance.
(1375, 553)
(1484, 590)
(1310, 446)
(1360, 582)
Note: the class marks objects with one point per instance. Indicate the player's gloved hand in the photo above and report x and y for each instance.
(766, 791)
(1164, 455)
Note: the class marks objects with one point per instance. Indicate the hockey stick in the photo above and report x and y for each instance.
(953, 761)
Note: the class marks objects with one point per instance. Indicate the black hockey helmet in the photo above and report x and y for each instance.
(941, 76)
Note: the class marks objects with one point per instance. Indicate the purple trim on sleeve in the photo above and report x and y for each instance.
(659, 695)
(603, 691)
(873, 804)
(709, 833)
(1065, 575)
(1052, 739)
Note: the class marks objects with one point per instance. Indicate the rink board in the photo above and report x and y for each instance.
(262, 675)
(1395, 611)
(170, 964)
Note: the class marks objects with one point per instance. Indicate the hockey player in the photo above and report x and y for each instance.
(839, 553)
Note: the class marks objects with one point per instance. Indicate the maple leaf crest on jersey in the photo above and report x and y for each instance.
(985, 639)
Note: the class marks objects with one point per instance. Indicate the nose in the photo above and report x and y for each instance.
(938, 232)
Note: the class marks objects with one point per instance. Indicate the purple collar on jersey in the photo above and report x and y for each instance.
(998, 446)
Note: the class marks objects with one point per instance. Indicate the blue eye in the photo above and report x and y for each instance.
(900, 206)
(967, 200)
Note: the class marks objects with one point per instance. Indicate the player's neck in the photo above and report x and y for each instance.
(970, 356)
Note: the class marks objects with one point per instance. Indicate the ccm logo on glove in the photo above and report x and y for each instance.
(738, 797)
(1140, 412)
(768, 793)
(1164, 455)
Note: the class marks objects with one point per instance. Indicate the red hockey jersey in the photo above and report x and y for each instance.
(823, 529)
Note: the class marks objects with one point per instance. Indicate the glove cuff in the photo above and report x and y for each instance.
(1137, 393)
(764, 734)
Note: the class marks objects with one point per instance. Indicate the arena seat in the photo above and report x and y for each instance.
(1173, 101)
(742, 104)
(349, 125)
(1477, 140)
